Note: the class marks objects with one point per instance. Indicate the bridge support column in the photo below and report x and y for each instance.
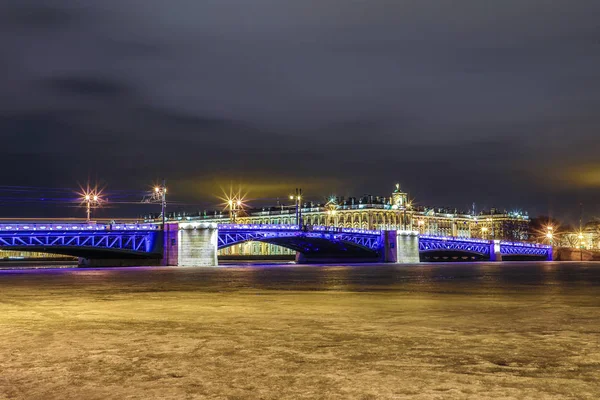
(495, 254)
(408, 247)
(390, 247)
(197, 245)
(400, 247)
(170, 245)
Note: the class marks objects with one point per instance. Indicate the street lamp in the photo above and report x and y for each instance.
(331, 214)
(234, 205)
(550, 234)
(332, 207)
(404, 208)
(297, 197)
(91, 198)
(160, 195)
(581, 245)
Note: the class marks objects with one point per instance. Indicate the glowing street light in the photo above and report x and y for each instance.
(160, 195)
(297, 197)
(331, 211)
(407, 206)
(550, 233)
(91, 198)
(235, 206)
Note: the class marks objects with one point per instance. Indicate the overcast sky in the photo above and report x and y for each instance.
(493, 102)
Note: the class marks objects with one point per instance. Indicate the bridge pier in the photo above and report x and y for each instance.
(408, 247)
(170, 242)
(495, 254)
(401, 247)
(389, 251)
(196, 245)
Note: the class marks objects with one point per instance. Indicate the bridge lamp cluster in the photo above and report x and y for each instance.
(550, 232)
(238, 203)
(235, 205)
(297, 197)
(91, 199)
(581, 237)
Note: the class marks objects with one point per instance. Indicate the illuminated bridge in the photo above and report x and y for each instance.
(311, 242)
(88, 241)
(191, 243)
(438, 248)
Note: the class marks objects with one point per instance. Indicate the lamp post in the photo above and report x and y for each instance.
(90, 199)
(550, 234)
(297, 197)
(332, 207)
(581, 245)
(234, 205)
(160, 195)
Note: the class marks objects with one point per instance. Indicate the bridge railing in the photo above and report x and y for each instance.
(456, 239)
(525, 244)
(278, 227)
(28, 227)
(307, 228)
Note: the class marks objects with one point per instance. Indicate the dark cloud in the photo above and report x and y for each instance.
(37, 16)
(85, 86)
(460, 101)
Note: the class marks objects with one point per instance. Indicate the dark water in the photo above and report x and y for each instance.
(576, 277)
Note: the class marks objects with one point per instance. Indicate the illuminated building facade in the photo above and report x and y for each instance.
(395, 212)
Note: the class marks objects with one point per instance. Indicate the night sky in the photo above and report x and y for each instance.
(493, 102)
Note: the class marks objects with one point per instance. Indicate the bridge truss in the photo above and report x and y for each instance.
(130, 238)
(524, 249)
(436, 243)
(230, 234)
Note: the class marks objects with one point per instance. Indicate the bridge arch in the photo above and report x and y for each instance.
(450, 249)
(339, 244)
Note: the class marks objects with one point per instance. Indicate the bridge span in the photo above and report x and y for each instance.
(191, 243)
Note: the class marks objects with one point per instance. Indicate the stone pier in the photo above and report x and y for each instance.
(408, 247)
(401, 247)
(495, 254)
(194, 245)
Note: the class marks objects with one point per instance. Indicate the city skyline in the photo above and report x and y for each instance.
(106, 202)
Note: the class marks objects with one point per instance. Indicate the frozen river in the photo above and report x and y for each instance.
(428, 331)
